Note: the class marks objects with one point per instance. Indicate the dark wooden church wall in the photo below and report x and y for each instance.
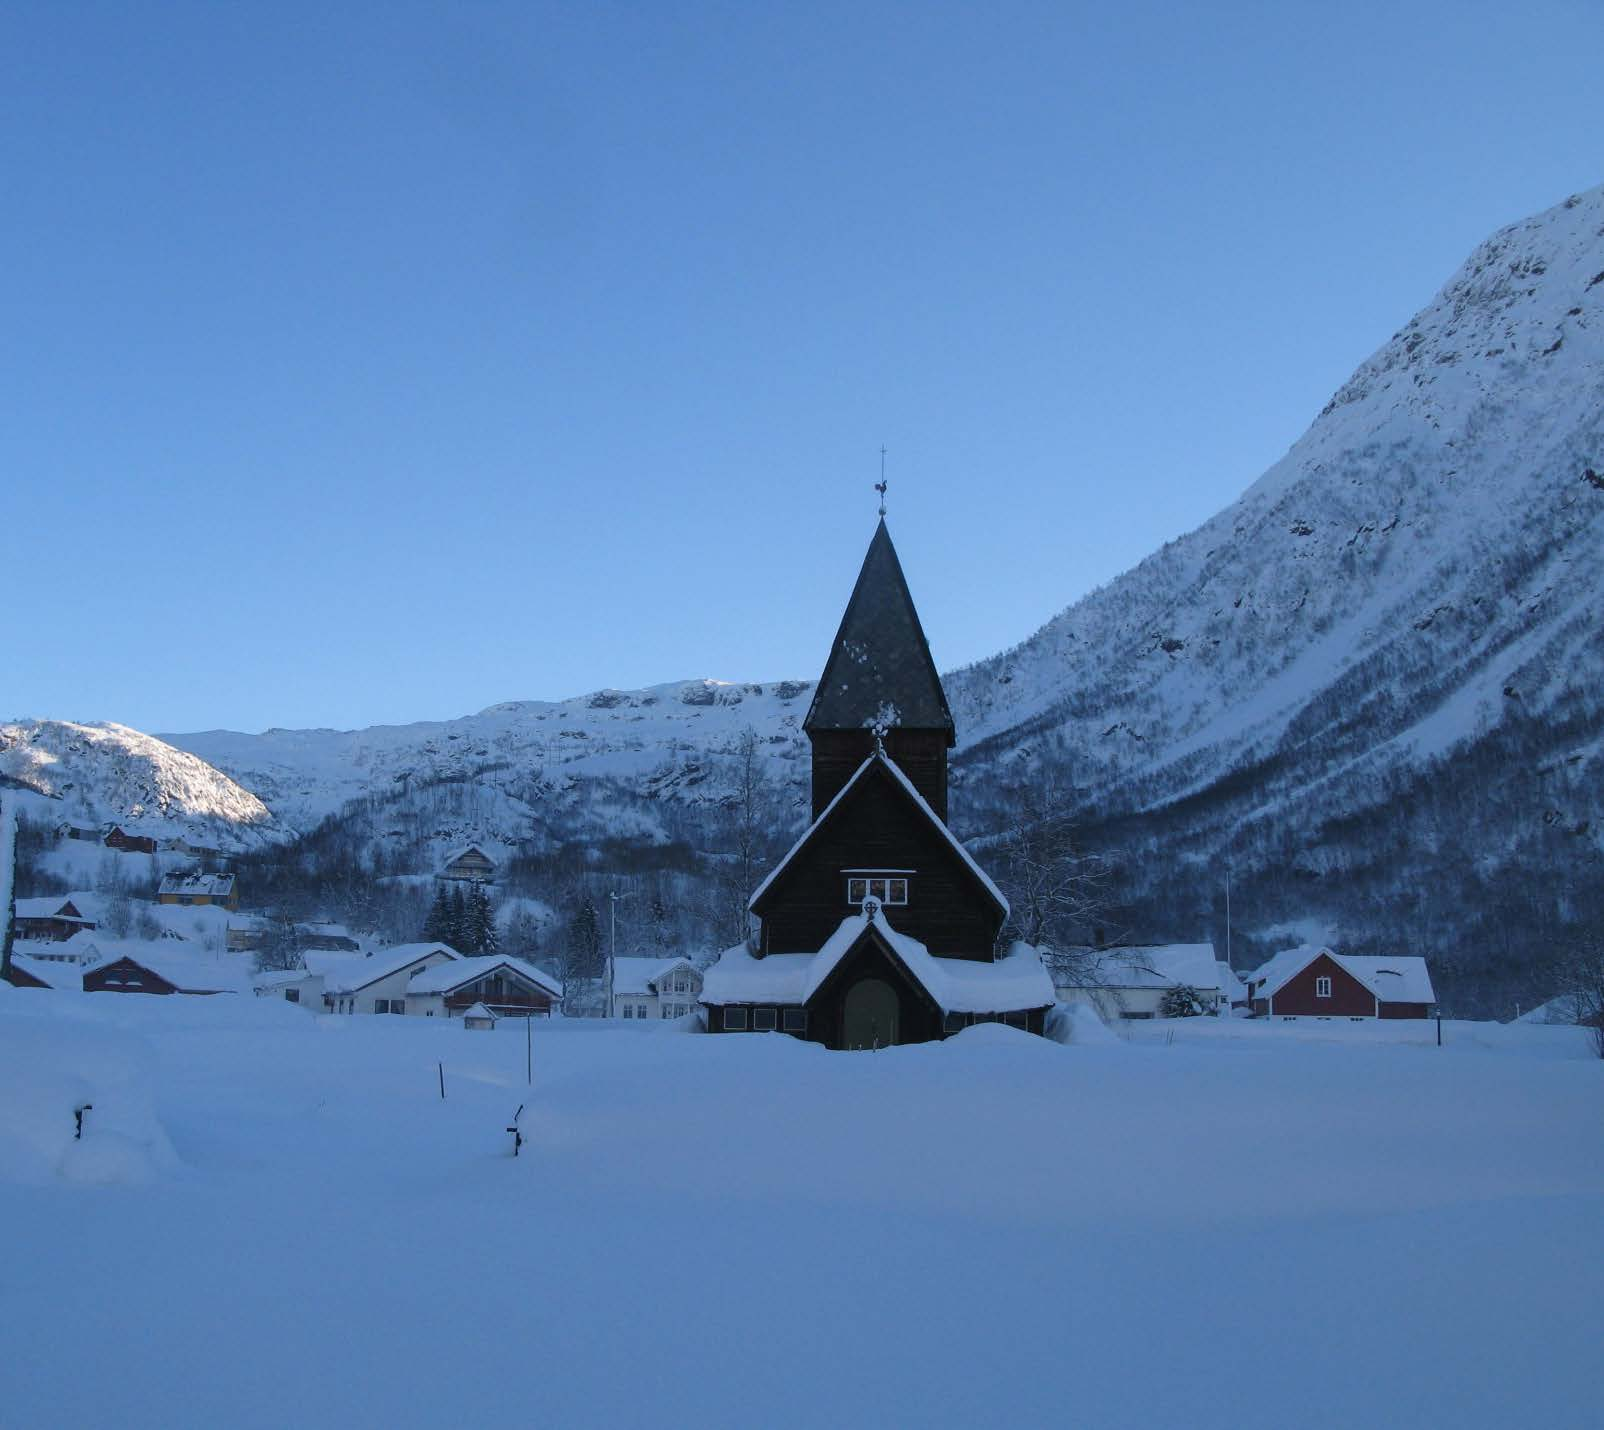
(876, 826)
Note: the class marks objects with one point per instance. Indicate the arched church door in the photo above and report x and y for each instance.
(869, 1019)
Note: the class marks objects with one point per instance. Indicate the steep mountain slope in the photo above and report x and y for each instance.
(105, 772)
(1378, 677)
(1433, 530)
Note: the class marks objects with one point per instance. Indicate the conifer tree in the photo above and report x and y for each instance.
(582, 964)
(457, 920)
(437, 927)
(479, 934)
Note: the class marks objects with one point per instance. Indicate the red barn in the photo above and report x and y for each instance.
(1318, 983)
(118, 838)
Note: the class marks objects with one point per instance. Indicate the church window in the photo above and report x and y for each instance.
(796, 1020)
(886, 888)
(735, 1020)
(763, 1020)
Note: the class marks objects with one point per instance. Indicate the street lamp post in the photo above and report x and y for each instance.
(612, 950)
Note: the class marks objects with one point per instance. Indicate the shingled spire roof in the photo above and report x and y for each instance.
(880, 666)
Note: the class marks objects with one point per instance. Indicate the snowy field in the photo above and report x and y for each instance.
(275, 1220)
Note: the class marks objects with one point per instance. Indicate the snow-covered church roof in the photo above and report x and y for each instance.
(955, 985)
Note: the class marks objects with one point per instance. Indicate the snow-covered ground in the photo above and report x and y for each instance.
(274, 1219)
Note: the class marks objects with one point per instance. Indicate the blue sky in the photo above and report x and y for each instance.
(369, 363)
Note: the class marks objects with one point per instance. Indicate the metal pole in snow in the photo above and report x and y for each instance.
(529, 1049)
(442, 1068)
(1228, 912)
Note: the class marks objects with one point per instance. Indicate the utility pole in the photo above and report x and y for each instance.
(8, 880)
(612, 951)
(1228, 962)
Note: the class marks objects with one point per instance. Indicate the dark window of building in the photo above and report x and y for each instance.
(956, 1022)
(292, 995)
(1322, 988)
(796, 1020)
(735, 1020)
(884, 888)
(763, 1020)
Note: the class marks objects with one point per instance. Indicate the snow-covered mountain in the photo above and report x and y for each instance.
(102, 772)
(1374, 685)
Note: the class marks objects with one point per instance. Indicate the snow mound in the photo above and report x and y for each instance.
(49, 1069)
(1080, 1025)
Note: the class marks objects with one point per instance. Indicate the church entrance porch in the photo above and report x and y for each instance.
(869, 1016)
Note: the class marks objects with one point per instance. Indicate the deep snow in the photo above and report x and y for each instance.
(1212, 1224)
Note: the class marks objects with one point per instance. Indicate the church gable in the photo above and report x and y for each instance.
(879, 839)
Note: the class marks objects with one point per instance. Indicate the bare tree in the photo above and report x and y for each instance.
(280, 948)
(1583, 975)
(1060, 892)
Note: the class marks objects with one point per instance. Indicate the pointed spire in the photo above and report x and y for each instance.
(879, 674)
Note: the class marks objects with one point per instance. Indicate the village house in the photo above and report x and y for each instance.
(89, 833)
(471, 864)
(878, 927)
(508, 986)
(379, 982)
(655, 987)
(1319, 983)
(160, 971)
(119, 838)
(1132, 983)
(49, 920)
(294, 985)
(26, 972)
(199, 890)
(190, 848)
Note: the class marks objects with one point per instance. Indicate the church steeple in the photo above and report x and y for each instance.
(879, 678)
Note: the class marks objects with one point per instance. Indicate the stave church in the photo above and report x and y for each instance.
(878, 927)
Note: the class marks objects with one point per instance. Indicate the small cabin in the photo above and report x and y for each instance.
(471, 864)
(479, 1018)
(119, 838)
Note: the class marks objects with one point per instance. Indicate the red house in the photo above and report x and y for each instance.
(52, 919)
(118, 838)
(1318, 983)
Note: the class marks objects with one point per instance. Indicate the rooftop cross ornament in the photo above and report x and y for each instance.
(880, 486)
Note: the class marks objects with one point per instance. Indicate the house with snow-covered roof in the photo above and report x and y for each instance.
(470, 863)
(377, 983)
(1133, 982)
(199, 890)
(134, 967)
(655, 987)
(508, 986)
(50, 920)
(878, 927)
(1320, 983)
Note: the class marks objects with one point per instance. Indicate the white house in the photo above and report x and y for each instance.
(379, 982)
(293, 985)
(655, 987)
(1132, 982)
(508, 986)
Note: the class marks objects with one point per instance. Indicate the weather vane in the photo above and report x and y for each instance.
(880, 486)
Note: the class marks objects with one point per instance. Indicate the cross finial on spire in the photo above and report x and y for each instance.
(880, 486)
